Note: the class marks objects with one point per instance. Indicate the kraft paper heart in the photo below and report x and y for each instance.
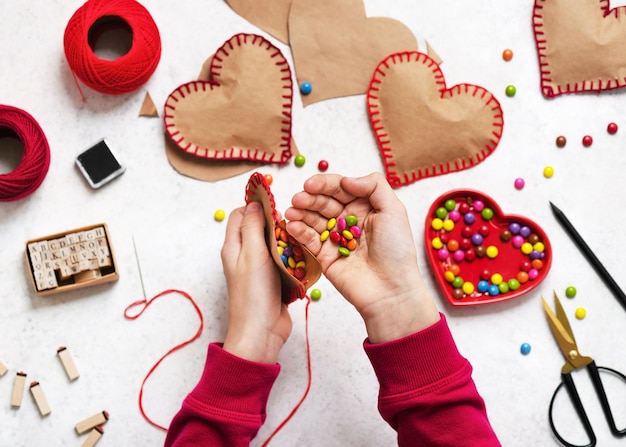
(294, 281)
(243, 112)
(424, 128)
(478, 254)
(581, 46)
(269, 15)
(336, 47)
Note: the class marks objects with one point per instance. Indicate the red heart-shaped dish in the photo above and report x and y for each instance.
(478, 254)
(299, 269)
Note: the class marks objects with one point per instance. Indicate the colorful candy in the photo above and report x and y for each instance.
(291, 254)
(345, 232)
(455, 247)
(587, 140)
(561, 141)
(611, 128)
(507, 55)
(300, 160)
(570, 292)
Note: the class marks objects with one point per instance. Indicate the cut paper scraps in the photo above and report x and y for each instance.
(238, 115)
(257, 190)
(335, 47)
(581, 47)
(148, 108)
(423, 128)
(269, 15)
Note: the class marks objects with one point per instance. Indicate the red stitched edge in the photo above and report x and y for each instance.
(233, 153)
(551, 90)
(396, 179)
(257, 181)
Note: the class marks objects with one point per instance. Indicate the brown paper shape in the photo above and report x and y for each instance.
(433, 54)
(425, 129)
(203, 168)
(336, 47)
(269, 15)
(243, 112)
(148, 108)
(581, 46)
(257, 190)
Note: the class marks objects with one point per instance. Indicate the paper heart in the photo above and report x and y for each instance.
(425, 129)
(581, 47)
(269, 15)
(336, 47)
(461, 239)
(243, 112)
(293, 288)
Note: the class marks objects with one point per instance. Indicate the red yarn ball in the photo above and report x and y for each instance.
(126, 73)
(33, 166)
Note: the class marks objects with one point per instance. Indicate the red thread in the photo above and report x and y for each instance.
(33, 166)
(146, 303)
(126, 73)
(309, 372)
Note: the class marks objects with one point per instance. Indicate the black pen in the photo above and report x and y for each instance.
(589, 254)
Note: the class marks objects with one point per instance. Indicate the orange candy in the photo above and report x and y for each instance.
(268, 178)
(507, 55)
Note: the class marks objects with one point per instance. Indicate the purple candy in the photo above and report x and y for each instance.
(469, 218)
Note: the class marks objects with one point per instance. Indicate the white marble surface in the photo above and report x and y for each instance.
(171, 220)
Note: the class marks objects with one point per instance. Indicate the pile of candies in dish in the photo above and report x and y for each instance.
(480, 255)
(290, 252)
(343, 231)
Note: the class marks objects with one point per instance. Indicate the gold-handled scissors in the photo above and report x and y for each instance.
(573, 361)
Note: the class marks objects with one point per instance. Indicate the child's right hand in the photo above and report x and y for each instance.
(381, 277)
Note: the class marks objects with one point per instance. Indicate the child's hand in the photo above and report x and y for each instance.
(258, 322)
(381, 277)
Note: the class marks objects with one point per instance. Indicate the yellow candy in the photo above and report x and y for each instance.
(280, 250)
(580, 313)
(219, 215)
(282, 243)
(527, 248)
(331, 223)
(436, 243)
(468, 288)
(346, 233)
(539, 247)
(496, 279)
(448, 276)
(301, 264)
(448, 225)
(291, 262)
(436, 224)
(324, 235)
(492, 251)
(548, 171)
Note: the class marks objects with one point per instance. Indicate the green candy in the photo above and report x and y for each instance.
(570, 292)
(351, 220)
(316, 294)
(343, 251)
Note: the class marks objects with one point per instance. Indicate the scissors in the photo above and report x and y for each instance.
(562, 331)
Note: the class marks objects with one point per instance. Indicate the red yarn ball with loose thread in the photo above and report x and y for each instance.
(33, 167)
(126, 73)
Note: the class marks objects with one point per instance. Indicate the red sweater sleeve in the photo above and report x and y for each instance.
(227, 406)
(427, 393)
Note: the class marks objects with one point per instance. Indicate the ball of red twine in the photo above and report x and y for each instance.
(127, 72)
(35, 161)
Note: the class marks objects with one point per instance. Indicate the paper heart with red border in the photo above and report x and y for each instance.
(243, 112)
(478, 254)
(424, 128)
(293, 288)
(581, 46)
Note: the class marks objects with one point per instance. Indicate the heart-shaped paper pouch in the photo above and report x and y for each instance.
(424, 128)
(243, 112)
(293, 288)
(581, 45)
(478, 254)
